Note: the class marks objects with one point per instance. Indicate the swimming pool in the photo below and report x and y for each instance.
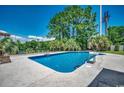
(63, 62)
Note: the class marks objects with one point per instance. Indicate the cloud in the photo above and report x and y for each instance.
(2, 31)
(15, 37)
(38, 38)
(29, 38)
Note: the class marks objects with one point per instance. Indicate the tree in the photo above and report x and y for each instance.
(99, 43)
(74, 22)
(57, 25)
(87, 28)
(106, 20)
(75, 17)
(9, 46)
(71, 45)
(116, 34)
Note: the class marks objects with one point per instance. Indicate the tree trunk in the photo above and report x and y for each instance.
(106, 28)
(73, 32)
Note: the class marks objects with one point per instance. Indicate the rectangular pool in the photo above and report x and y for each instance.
(63, 62)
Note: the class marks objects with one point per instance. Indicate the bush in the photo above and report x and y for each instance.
(116, 47)
(72, 45)
(64, 45)
(99, 43)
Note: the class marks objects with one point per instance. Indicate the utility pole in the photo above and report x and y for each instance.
(100, 20)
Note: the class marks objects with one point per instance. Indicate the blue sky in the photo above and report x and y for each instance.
(33, 20)
(30, 20)
(116, 15)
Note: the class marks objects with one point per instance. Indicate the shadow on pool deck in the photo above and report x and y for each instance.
(108, 78)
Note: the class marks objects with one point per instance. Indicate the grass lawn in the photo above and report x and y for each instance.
(115, 52)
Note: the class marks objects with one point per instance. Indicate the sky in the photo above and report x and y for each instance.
(116, 13)
(33, 20)
(30, 20)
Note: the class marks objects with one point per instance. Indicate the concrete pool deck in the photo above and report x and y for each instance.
(24, 72)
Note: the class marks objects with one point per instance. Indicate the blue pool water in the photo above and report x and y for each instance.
(63, 62)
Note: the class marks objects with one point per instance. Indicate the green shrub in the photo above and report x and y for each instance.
(116, 47)
(99, 43)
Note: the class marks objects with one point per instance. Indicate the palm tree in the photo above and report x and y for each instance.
(8, 46)
(106, 20)
(99, 43)
(71, 45)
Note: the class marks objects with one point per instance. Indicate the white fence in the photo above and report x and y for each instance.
(118, 48)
